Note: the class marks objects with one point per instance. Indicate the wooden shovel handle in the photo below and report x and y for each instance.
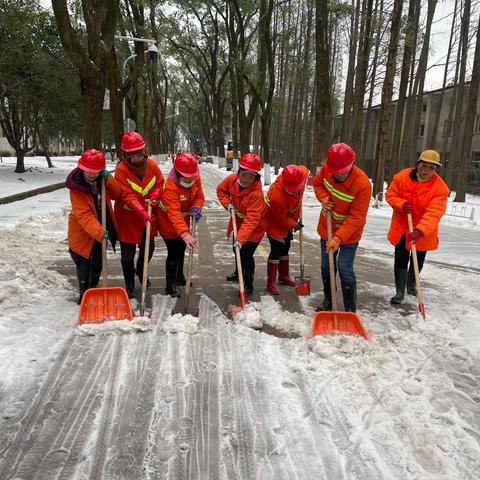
(104, 240)
(238, 258)
(145, 257)
(331, 264)
(302, 252)
(420, 298)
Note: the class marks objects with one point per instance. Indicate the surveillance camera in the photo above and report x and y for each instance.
(152, 52)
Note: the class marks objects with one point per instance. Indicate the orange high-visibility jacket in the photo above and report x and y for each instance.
(429, 202)
(249, 206)
(282, 210)
(174, 208)
(83, 224)
(129, 222)
(351, 199)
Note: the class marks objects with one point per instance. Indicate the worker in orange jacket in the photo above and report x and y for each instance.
(140, 179)
(85, 231)
(242, 192)
(420, 191)
(182, 198)
(345, 191)
(282, 217)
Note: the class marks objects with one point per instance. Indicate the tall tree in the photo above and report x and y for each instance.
(466, 146)
(89, 48)
(459, 122)
(323, 109)
(387, 91)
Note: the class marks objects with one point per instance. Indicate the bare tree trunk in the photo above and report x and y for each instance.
(466, 155)
(432, 140)
(322, 98)
(89, 57)
(361, 79)
(385, 108)
(366, 132)
(412, 25)
(420, 78)
(348, 98)
(459, 123)
(407, 132)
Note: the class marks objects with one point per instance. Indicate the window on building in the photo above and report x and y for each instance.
(476, 158)
(477, 123)
(421, 130)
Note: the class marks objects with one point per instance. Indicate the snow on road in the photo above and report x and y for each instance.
(207, 398)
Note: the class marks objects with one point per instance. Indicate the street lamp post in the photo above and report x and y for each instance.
(152, 55)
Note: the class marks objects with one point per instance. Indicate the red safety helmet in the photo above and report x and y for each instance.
(293, 178)
(186, 165)
(132, 142)
(340, 158)
(92, 161)
(251, 162)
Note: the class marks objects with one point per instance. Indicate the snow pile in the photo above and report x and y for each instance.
(112, 327)
(179, 323)
(269, 312)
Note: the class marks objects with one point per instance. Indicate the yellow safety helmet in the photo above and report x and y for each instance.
(430, 156)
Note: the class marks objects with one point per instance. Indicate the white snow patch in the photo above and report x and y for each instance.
(269, 312)
(138, 324)
(181, 323)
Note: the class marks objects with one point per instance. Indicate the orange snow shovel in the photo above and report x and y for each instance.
(243, 301)
(335, 321)
(302, 283)
(421, 306)
(106, 303)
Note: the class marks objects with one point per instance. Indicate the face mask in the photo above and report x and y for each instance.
(242, 184)
(186, 184)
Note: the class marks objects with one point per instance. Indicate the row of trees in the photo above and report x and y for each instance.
(272, 73)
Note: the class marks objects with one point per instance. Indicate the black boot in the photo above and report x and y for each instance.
(326, 306)
(248, 281)
(349, 291)
(129, 277)
(171, 278)
(411, 287)
(400, 282)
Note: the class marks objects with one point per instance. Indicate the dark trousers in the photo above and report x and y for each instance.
(128, 251)
(175, 249)
(246, 256)
(88, 269)
(279, 248)
(403, 257)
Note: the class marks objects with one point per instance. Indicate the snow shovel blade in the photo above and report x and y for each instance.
(103, 304)
(341, 322)
(302, 286)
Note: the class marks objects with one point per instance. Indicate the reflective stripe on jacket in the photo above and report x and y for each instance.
(249, 204)
(282, 210)
(351, 199)
(131, 226)
(177, 201)
(84, 227)
(429, 202)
